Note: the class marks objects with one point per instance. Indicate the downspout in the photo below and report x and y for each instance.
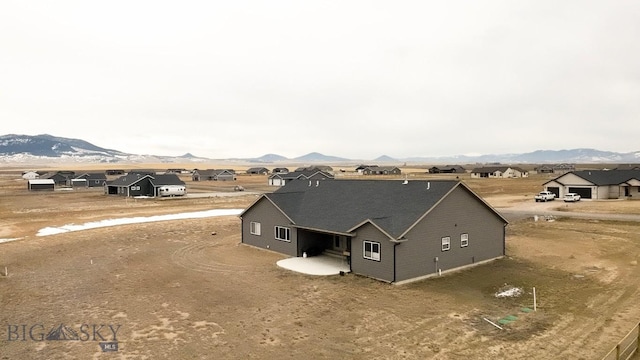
(394, 261)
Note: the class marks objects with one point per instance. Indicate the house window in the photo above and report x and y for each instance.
(255, 228)
(464, 240)
(446, 243)
(283, 233)
(371, 250)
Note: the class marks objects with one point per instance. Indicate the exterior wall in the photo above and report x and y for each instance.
(381, 270)
(459, 213)
(269, 217)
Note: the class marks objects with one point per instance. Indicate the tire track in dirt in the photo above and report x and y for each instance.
(197, 257)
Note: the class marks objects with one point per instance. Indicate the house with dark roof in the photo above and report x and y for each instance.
(60, 178)
(555, 169)
(140, 184)
(447, 169)
(258, 171)
(392, 230)
(628, 167)
(280, 179)
(325, 168)
(213, 175)
(92, 179)
(381, 170)
(597, 184)
(499, 172)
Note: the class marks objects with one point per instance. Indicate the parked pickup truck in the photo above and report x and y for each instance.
(545, 196)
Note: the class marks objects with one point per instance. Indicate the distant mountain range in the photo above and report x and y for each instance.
(40, 148)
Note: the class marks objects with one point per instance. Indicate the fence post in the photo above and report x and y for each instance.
(618, 352)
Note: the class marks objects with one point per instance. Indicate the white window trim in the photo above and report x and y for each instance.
(287, 231)
(446, 243)
(254, 228)
(464, 240)
(375, 256)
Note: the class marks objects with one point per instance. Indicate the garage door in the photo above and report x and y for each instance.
(555, 190)
(584, 193)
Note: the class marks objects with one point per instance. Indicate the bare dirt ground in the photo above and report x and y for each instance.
(177, 291)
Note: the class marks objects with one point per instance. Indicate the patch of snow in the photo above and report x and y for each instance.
(509, 292)
(8, 240)
(137, 220)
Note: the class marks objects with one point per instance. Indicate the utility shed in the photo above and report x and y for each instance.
(41, 184)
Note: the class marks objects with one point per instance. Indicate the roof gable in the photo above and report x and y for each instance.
(602, 177)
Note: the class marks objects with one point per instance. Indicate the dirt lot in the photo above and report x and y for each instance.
(177, 291)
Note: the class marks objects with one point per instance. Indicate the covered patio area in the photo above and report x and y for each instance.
(316, 265)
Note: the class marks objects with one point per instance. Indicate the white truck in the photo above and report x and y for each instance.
(545, 196)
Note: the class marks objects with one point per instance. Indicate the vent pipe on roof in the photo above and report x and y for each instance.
(406, 181)
(309, 182)
(428, 185)
(317, 183)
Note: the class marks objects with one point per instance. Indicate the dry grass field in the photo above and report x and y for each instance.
(176, 290)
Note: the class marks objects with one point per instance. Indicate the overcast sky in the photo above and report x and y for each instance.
(355, 79)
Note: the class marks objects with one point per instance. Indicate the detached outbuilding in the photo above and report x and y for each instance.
(41, 185)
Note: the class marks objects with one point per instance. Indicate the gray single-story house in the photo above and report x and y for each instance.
(41, 185)
(258, 171)
(213, 175)
(280, 179)
(92, 179)
(392, 230)
(597, 184)
(498, 172)
(137, 184)
(381, 170)
(61, 178)
(447, 169)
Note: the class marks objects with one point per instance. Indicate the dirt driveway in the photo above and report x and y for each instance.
(173, 290)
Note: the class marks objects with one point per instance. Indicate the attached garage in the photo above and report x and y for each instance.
(555, 190)
(41, 185)
(584, 192)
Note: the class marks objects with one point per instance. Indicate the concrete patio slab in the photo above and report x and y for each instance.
(316, 265)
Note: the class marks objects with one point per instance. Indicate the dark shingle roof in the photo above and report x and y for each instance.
(608, 177)
(342, 205)
(156, 180)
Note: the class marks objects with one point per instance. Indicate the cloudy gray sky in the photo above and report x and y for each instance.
(356, 79)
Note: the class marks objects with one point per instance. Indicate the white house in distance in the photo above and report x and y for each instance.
(499, 172)
(597, 184)
(30, 175)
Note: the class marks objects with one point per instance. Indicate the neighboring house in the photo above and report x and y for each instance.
(213, 175)
(60, 178)
(597, 184)
(177, 171)
(381, 170)
(280, 179)
(360, 168)
(114, 172)
(391, 230)
(280, 170)
(134, 184)
(30, 175)
(499, 172)
(628, 167)
(258, 171)
(447, 169)
(555, 169)
(324, 168)
(92, 179)
(41, 185)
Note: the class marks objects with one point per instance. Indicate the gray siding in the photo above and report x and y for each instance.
(269, 217)
(383, 269)
(460, 212)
